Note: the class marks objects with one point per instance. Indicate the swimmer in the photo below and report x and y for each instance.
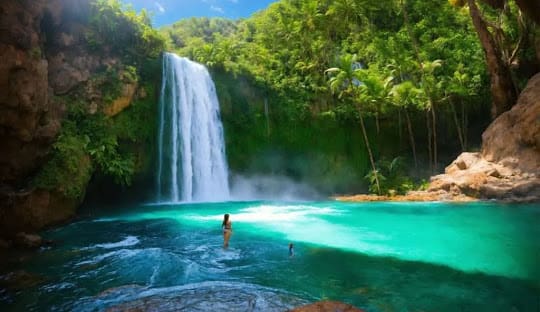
(227, 230)
(291, 250)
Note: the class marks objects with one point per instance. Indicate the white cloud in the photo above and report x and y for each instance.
(217, 9)
(160, 8)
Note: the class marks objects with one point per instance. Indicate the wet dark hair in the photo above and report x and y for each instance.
(225, 219)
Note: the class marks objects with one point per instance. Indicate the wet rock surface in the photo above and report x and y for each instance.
(19, 280)
(327, 306)
(206, 296)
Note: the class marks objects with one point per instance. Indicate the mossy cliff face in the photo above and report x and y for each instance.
(61, 97)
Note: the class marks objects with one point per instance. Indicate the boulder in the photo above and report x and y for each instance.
(514, 137)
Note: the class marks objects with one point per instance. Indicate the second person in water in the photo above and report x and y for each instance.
(227, 230)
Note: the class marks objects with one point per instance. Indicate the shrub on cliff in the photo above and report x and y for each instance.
(120, 28)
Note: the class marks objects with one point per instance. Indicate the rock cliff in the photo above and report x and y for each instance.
(508, 166)
(44, 58)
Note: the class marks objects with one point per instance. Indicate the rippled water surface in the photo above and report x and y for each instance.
(376, 256)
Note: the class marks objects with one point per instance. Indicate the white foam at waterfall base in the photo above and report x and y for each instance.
(191, 149)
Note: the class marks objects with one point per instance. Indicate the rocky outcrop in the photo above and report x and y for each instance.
(45, 57)
(127, 93)
(27, 122)
(33, 209)
(508, 167)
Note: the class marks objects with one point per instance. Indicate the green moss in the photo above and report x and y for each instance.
(69, 169)
(116, 147)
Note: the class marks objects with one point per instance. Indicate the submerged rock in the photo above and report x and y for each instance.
(20, 280)
(327, 306)
(28, 240)
(205, 296)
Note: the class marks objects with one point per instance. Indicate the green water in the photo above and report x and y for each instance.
(376, 256)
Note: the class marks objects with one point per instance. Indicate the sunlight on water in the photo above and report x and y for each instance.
(377, 256)
(426, 232)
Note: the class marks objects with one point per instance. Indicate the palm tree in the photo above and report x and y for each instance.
(457, 88)
(405, 95)
(432, 88)
(345, 80)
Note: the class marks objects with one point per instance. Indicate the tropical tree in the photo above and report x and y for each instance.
(457, 87)
(345, 80)
(499, 49)
(432, 87)
(405, 96)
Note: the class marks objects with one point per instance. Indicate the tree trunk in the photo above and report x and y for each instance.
(400, 128)
(366, 140)
(502, 88)
(411, 138)
(464, 123)
(266, 116)
(428, 124)
(377, 124)
(457, 123)
(434, 127)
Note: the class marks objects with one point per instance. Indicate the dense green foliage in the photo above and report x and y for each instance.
(419, 80)
(318, 90)
(121, 29)
(90, 141)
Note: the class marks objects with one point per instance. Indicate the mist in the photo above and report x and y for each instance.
(268, 187)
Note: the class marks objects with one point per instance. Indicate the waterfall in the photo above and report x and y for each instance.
(191, 150)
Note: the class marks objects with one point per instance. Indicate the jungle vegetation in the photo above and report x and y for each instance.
(417, 79)
(352, 95)
(92, 143)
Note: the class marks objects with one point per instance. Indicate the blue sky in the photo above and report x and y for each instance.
(166, 12)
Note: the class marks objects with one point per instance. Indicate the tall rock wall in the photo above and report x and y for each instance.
(27, 121)
(43, 57)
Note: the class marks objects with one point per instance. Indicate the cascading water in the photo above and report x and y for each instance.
(191, 149)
